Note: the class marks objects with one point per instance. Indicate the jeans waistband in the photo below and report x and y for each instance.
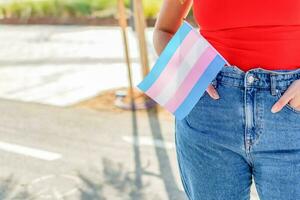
(256, 77)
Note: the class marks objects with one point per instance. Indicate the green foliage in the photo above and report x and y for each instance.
(69, 8)
(151, 8)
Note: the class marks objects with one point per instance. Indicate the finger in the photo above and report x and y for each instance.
(295, 101)
(212, 92)
(283, 100)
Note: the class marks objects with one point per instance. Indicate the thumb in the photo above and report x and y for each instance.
(212, 92)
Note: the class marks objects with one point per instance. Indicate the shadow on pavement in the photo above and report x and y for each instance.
(167, 176)
(9, 190)
(114, 178)
(137, 158)
(91, 189)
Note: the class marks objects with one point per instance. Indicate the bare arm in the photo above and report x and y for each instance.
(169, 19)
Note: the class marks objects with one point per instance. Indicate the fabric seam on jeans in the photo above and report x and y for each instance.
(182, 177)
(230, 85)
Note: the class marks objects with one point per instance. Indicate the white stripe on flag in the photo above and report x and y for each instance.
(183, 70)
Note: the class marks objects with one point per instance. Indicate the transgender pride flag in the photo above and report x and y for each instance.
(183, 71)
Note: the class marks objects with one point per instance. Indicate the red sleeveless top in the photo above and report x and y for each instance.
(249, 34)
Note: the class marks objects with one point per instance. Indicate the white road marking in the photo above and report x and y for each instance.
(148, 141)
(28, 151)
(46, 187)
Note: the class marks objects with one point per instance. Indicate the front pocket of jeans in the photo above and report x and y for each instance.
(288, 106)
(198, 108)
(204, 110)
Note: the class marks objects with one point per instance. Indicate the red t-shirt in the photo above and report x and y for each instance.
(256, 33)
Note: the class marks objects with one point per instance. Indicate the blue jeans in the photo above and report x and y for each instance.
(222, 143)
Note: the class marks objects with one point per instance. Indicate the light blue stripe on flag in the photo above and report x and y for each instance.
(199, 88)
(165, 56)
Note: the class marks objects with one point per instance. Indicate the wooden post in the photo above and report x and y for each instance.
(123, 24)
(140, 25)
(134, 99)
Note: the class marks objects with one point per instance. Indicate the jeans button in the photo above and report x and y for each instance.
(250, 79)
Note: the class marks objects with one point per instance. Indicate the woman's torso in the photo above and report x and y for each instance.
(253, 33)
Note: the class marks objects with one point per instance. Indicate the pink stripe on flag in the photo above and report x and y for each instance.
(191, 79)
(172, 66)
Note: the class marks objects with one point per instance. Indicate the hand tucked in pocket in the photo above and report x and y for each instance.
(212, 92)
(291, 96)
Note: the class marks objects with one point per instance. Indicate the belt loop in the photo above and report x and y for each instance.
(273, 84)
(215, 82)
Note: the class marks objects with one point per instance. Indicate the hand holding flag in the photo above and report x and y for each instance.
(183, 71)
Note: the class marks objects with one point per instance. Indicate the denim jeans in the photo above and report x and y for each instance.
(221, 144)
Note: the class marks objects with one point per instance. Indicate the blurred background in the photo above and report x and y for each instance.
(68, 127)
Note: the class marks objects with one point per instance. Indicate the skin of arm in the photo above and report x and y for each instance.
(170, 17)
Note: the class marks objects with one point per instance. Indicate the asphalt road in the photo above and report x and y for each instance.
(48, 152)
